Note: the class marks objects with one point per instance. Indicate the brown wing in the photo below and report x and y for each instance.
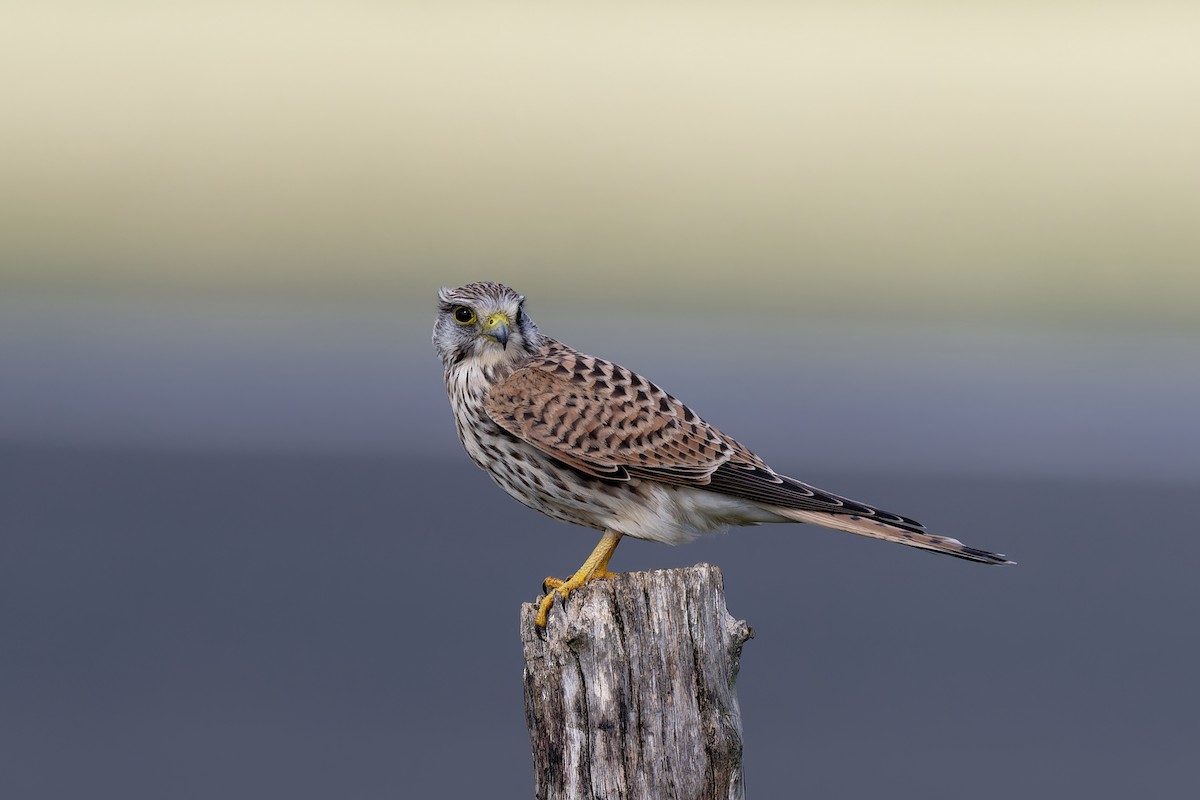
(606, 421)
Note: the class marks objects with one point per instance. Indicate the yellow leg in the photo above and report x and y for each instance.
(594, 568)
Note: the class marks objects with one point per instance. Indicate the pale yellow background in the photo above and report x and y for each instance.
(1005, 161)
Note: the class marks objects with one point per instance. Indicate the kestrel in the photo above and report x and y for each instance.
(587, 441)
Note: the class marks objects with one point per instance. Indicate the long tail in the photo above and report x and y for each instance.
(865, 526)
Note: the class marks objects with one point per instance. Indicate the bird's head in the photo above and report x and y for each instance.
(483, 321)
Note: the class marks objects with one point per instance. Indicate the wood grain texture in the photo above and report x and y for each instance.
(629, 690)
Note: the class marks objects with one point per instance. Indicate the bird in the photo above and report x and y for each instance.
(587, 441)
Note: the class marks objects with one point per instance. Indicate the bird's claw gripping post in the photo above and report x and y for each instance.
(595, 568)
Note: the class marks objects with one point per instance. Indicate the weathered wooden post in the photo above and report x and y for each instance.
(629, 690)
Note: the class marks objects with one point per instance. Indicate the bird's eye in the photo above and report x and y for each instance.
(464, 315)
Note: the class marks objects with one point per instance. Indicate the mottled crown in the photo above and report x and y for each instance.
(480, 290)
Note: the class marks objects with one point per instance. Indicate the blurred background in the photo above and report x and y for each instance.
(942, 259)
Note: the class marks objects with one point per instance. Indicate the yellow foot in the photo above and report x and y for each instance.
(595, 568)
(555, 583)
(557, 586)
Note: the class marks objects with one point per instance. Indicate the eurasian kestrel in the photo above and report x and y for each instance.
(587, 441)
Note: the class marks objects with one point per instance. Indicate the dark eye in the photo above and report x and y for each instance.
(464, 315)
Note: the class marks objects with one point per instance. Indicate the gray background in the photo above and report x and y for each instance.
(244, 556)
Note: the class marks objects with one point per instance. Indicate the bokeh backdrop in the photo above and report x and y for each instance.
(940, 258)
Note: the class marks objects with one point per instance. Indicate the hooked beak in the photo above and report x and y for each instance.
(496, 328)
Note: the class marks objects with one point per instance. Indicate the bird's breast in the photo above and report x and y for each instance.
(468, 387)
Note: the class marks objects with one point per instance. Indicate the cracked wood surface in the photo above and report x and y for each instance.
(629, 690)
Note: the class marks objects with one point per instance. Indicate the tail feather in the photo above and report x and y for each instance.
(864, 526)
